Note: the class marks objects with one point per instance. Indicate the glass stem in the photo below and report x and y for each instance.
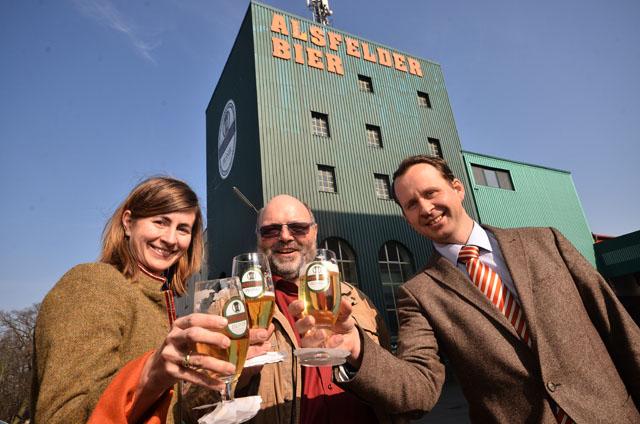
(229, 391)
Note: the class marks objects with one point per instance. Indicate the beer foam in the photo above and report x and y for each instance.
(332, 267)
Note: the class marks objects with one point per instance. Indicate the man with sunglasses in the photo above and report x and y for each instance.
(291, 393)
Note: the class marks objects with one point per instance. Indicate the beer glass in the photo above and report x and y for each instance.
(257, 285)
(224, 297)
(319, 289)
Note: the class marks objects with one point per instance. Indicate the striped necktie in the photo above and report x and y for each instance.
(489, 283)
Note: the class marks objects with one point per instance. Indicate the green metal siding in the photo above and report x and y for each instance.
(277, 153)
(288, 92)
(542, 197)
(619, 256)
(230, 222)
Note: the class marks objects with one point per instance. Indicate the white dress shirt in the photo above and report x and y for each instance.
(490, 255)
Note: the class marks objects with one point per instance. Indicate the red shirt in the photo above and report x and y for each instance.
(322, 400)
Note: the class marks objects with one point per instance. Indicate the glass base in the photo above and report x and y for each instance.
(321, 357)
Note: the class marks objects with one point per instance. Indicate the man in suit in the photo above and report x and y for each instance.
(569, 352)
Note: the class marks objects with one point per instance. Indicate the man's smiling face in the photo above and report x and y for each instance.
(287, 250)
(432, 205)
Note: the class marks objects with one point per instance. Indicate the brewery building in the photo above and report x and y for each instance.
(326, 116)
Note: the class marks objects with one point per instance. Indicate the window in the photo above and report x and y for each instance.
(396, 267)
(434, 147)
(320, 124)
(364, 83)
(346, 258)
(326, 179)
(381, 182)
(374, 139)
(491, 177)
(423, 99)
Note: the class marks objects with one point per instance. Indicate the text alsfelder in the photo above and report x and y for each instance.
(316, 58)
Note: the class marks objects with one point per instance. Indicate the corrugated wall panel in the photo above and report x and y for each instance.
(287, 92)
(230, 222)
(542, 197)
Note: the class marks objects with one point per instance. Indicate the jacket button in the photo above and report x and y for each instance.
(330, 386)
(551, 386)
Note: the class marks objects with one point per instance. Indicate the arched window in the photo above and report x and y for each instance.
(346, 258)
(396, 266)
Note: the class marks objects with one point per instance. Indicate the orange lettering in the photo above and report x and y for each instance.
(313, 58)
(414, 67)
(399, 62)
(278, 25)
(281, 48)
(317, 36)
(365, 53)
(352, 47)
(295, 31)
(299, 55)
(384, 57)
(334, 64)
(334, 40)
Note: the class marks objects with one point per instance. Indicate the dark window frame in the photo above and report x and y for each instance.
(346, 257)
(374, 141)
(320, 130)
(434, 142)
(492, 177)
(400, 259)
(384, 187)
(331, 185)
(365, 83)
(424, 100)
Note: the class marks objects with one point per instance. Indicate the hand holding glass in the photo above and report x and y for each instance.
(257, 285)
(224, 297)
(319, 289)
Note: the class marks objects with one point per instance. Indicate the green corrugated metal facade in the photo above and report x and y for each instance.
(619, 256)
(541, 197)
(277, 153)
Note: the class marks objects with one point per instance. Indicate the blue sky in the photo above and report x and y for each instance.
(96, 95)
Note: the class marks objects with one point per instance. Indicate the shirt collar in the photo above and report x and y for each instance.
(478, 237)
(151, 275)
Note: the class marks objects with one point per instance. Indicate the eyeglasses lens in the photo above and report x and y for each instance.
(295, 228)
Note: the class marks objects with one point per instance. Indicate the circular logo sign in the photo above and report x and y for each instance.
(317, 277)
(236, 315)
(227, 139)
(252, 283)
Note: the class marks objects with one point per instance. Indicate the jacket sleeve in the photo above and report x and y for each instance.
(409, 384)
(77, 342)
(616, 328)
(367, 316)
(116, 401)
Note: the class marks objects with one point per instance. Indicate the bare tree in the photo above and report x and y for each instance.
(16, 348)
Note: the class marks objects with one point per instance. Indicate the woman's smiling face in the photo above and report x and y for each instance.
(157, 242)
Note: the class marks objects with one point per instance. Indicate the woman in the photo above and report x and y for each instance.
(107, 345)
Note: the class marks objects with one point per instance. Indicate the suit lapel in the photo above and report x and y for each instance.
(513, 251)
(445, 273)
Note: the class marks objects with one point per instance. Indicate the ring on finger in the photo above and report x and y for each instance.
(185, 361)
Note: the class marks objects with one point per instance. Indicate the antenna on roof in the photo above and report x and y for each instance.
(321, 11)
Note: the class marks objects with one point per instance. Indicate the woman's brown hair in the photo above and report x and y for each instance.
(155, 196)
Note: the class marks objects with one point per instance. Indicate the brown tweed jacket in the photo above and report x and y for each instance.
(90, 325)
(586, 353)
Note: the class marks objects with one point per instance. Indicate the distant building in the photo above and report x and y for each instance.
(618, 261)
(184, 304)
(512, 194)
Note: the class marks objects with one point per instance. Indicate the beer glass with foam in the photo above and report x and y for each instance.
(224, 297)
(319, 289)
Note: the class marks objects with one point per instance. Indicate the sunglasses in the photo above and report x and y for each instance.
(296, 229)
